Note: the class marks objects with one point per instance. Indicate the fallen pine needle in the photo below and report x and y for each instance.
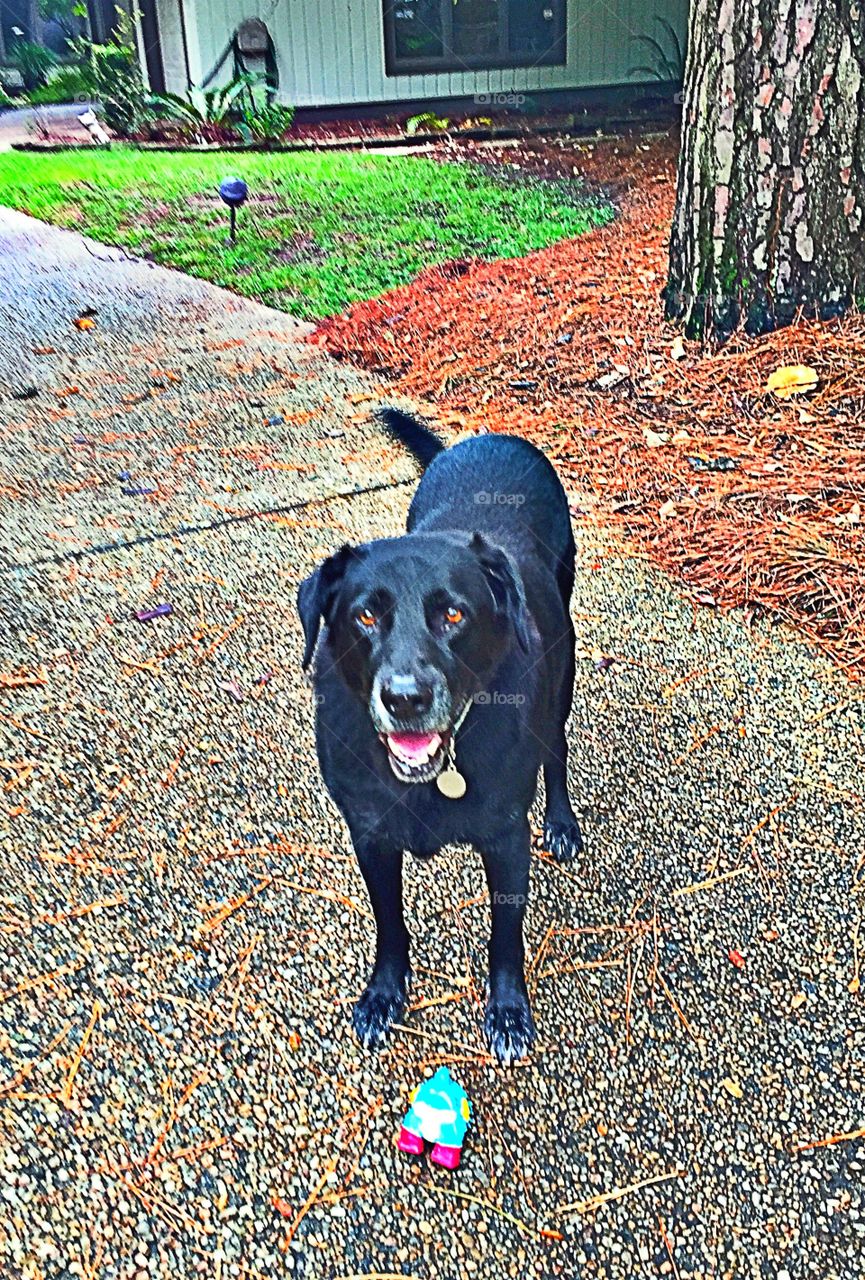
(223, 635)
(710, 883)
(436, 1000)
(329, 1168)
(21, 1075)
(175, 1112)
(830, 1142)
(117, 900)
(228, 908)
(30, 983)
(672, 999)
(22, 679)
(379, 1275)
(768, 818)
(330, 895)
(596, 1202)
(503, 1213)
(66, 1093)
(695, 746)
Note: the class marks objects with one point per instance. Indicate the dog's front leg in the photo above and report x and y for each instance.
(508, 1023)
(383, 1000)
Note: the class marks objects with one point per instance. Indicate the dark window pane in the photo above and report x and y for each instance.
(417, 28)
(534, 27)
(476, 31)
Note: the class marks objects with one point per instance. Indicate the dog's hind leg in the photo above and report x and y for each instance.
(383, 1001)
(562, 835)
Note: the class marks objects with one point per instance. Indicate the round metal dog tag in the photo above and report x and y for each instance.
(451, 784)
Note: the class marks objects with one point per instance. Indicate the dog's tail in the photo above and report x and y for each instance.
(411, 432)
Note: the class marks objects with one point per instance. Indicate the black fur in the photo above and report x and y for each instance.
(488, 531)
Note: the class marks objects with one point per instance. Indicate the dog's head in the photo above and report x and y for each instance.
(416, 625)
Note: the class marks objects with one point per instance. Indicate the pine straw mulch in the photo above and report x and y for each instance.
(569, 348)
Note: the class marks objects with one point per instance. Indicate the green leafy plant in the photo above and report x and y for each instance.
(266, 126)
(666, 54)
(33, 61)
(206, 113)
(69, 85)
(111, 73)
(5, 101)
(426, 122)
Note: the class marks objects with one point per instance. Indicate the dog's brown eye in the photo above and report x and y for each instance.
(366, 618)
(453, 615)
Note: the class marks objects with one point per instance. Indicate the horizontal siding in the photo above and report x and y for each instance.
(332, 52)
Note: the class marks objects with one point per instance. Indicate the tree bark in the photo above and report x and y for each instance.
(769, 214)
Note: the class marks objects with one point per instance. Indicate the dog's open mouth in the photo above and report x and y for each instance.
(416, 757)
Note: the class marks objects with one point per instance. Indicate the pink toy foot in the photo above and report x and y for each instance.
(409, 1142)
(448, 1157)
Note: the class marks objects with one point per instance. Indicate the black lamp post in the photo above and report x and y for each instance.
(233, 191)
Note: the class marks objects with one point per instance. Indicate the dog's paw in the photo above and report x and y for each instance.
(509, 1028)
(380, 1005)
(563, 840)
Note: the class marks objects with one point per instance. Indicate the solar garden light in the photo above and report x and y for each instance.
(233, 191)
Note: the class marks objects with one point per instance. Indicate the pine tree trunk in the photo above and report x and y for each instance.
(769, 214)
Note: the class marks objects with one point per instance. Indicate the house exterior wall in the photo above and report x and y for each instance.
(331, 52)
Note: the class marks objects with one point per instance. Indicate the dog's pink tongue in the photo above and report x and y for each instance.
(414, 747)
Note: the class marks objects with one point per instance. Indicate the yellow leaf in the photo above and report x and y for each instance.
(732, 1086)
(792, 380)
(798, 1000)
(667, 509)
(677, 350)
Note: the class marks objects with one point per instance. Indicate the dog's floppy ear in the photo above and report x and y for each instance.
(315, 596)
(506, 585)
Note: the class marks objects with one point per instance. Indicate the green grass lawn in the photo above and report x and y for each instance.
(320, 230)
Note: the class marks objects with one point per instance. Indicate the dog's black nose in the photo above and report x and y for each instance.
(405, 698)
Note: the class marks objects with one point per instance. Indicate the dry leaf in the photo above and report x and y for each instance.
(792, 380)
(853, 986)
(654, 439)
(677, 350)
(84, 322)
(668, 509)
(798, 1000)
(732, 1086)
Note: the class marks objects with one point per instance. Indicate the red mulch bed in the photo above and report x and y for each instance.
(569, 348)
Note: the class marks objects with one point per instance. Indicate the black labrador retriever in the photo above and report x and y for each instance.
(443, 682)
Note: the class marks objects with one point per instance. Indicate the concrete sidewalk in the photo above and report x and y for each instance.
(182, 927)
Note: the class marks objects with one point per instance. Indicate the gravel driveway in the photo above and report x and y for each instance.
(183, 929)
